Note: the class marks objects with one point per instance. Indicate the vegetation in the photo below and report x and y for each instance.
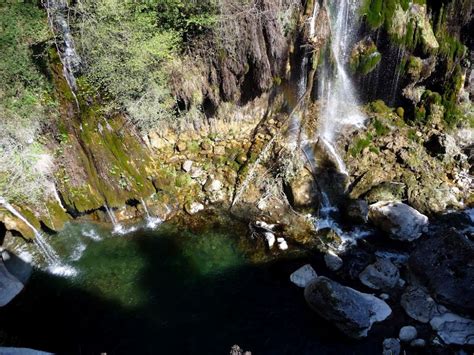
(25, 103)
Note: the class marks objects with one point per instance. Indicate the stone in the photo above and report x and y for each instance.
(454, 329)
(444, 263)
(384, 296)
(418, 343)
(303, 276)
(10, 286)
(351, 311)
(282, 244)
(212, 185)
(196, 172)
(21, 351)
(193, 207)
(357, 211)
(241, 158)
(270, 238)
(391, 346)
(207, 146)
(187, 166)
(333, 261)
(382, 274)
(301, 191)
(401, 221)
(219, 150)
(181, 146)
(407, 333)
(17, 267)
(419, 305)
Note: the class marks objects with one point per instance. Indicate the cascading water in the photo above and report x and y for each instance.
(53, 260)
(117, 228)
(151, 221)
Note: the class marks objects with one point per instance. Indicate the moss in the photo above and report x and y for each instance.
(193, 147)
(364, 58)
(360, 144)
(380, 128)
(401, 112)
(379, 106)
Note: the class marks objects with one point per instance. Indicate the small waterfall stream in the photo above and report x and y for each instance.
(53, 260)
(151, 221)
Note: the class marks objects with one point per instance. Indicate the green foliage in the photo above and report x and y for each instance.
(380, 128)
(360, 144)
(379, 106)
(364, 58)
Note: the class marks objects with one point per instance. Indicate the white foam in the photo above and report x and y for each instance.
(62, 270)
(92, 234)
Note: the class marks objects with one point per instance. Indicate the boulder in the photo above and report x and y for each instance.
(444, 263)
(333, 261)
(21, 351)
(391, 346)
(301, 190)
(351, 311)
(407, 333)
(419, 305)
(400, 220)
(382, 274)
(453, 329)
(303, 276)
(10, 286)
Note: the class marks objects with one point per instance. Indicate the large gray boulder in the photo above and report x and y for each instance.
(444, 263)
(351, 311)
(453, 329)
(381, 275)
(10, 286)
(401, 221)
(419, 305)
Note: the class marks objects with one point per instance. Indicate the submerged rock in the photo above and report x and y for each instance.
(303, 276)
(453, 329)
(444, 262)
(382, 274)
(407, 333)
(419, 305)
(400, 220)
(391, 346)
(353, 312)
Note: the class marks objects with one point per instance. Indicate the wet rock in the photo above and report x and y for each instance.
(187, 166)
(453, 329)
(383, 274)
(333, 261)
(419, 305)
(303, 276)
(418, 343)
(400, 220)
(353, 312)
(17, 267)
(407, 333)
(193, 207)
(10, 286)
(444, 263)
(391, 346)
(357, 211)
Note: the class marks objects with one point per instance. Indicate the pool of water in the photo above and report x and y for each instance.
(187, 287)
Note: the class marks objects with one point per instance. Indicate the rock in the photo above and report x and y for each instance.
(353, 312)
(453, 329)
(236, 350)
(17, 267)
(282, 244)
(419, 305)
(391, 346)
(418, 343)
(301, 191)
(303, 276)
(383, 274)
(440, 144)
(333, 261)
(10, 286)
(400, 220)
(187, 165)
(193, 207)
(205, 145)
(386, 191)
(270, 238)
(21, 351)
(219, 150)
(407, 333)
(384, 296)
(181, 146)
(212, 185)
(196, 172)
(444, 262)
(357, 211)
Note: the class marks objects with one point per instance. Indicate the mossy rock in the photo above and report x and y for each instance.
(55, 217)
(386, 191)
(364, 57)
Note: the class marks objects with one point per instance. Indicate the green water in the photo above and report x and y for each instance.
(194, 286)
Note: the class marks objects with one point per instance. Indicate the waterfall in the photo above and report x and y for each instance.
(51, 257)
(57, 17)
(118, 228)
(337, 93)
(151, 221)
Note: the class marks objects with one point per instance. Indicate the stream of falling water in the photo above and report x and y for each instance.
(55, 266)
(151, 221)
